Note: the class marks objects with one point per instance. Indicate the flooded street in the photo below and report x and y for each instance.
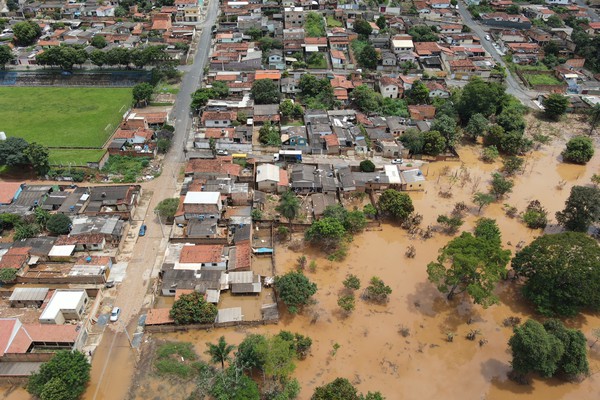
(401, 349)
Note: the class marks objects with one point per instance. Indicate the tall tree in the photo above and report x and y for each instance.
(288, 206)
(562, 272)
(395, 205)
(477, 127)
(471, 264)
(579, 150)
(555, 105)
(191, 308)
(368, 57)
(59, 224)
(381, 22)
(482, 200)
(480, 97)
(12, 152)
(265, 91)
(417, 94)
(67, 369)
(327, 233)
(142, 92)
(295, 290)
(39, 158)
(366, 99)
(447, 127)
(582, 209)
(99, 42)
(219, 353)
(500, 185)
(433, 143)
(362, 27)
(6, 55)
(26, 33)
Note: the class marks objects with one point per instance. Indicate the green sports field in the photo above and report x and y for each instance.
(63, 117)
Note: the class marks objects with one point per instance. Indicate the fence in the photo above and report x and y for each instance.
(77, 78)
(179, 328)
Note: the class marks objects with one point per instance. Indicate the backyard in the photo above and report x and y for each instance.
(62, 117)
(538, 79)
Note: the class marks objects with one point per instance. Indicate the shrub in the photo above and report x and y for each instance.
(367, 166)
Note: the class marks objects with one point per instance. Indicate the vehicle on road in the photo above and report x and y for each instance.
(222, 152)
(109, 284)
(143, 230)
(487, 37)
(114, 314)
(397, 161)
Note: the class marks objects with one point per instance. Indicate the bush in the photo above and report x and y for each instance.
(59, 224)
(193, 309)
(536, 216)
(377, 291)
(490, 154)
(367, 166)
(167, 208)
(579, 150)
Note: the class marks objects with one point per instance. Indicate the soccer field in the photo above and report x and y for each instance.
(63, 117)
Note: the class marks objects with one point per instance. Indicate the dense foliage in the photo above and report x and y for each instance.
(191, 308)
(582, 209)
(562, 271)
(295, 290)
(395, 205)
(64, 377)
(579, 150)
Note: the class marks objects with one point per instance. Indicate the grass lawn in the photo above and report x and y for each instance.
(542, 79)
(62, 117)
(333, 23)
(74, 157)
(540, 67)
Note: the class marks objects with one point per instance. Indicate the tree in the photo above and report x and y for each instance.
(562, 272)
(347, 303)
(59, 224)
(221, 89)
(478, 126)
(286, 108)
(582, 209)
(487, 229)
(254, 33)
(513, 9)
(377, 290)
(99, 42)
(555, 105)
(269, 135)
(367, 166)
(362, 27)
(395, 205)
(6, 55)
(412, 139)
(67, 369)
(265, 91)
(381, 22)
(579, 150)
(471, 264)
(366, 99)
(479, 97)
(554, 21)
(288, 205)
(39, 158)
(328, 233)
(41, 217)
(339, 389)
(367, 57)
(201, 97)
(482, 200)
(120, 12)
(248, 355)
(450, 223)
(267, 43)
(417, 94)
(167, 208)
(511, 119)
(278, 355)
(295, 290)
(232, 384)
(351, 282)
(219, 353)
(191, 308)
(26, 33)
(314, 26)
(550, 349)
(8, 275)
(423, 33)
(512, 165)
(98, 57)
(142, 92)
(447, 127)
(12, 152)
(500, 185)
(535, 216)
(163, 145)
(433, 143)
(594, 117)
(25, 231)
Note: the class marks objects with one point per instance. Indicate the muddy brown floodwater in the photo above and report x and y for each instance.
(400, 349)
(375, 354)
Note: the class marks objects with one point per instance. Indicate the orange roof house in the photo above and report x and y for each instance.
(268, 74)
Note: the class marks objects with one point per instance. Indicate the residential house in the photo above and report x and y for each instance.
(525, 53)
(266, 112)
(218, 119)
(275, 59)
(403, 45)
(187, 10)
(436, 89)
(271, 178)
(293, 17)
(338, 59)
(294, 137)
(118, 200)
(110, 227)
(332, 144)
(202, 205)
(390, 87)
(202, 257)
(16, 258)
(64, 305)
(413, 179)
(438, 3)
(421, 112)
(504, 20)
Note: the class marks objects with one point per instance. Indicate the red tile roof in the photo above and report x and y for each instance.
(221, 165)
(331, 140)
(268, 74)
(158, 316)
(218, 116)
(8, 191)
(421, 112)
(201, 254)
(15, 257)
(242, 255)
(218, 132)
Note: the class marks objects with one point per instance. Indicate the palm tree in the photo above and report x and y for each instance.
(219, 353)
(288, 205)
(594, 113)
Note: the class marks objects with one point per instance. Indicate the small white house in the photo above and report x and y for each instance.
(402, 45)
(64, 305)
(202, 205)
(268, 178)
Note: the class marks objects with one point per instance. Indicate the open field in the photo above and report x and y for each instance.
(541, 79)
(75, 157)
(62, 117)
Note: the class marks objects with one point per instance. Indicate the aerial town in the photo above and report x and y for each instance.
(299, 199)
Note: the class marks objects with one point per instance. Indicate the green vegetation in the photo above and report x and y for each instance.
(579, 150)
(269, 134)
(16, 152)
(129, 168)
(538, 79)
(395, 205)
(377, 291)
(582, 209)
(65, 117)
(295, 290)
(64, 377)
(535, 216)
(472, 264)
(167, 208)
(191, 308)
(8, 275)
(562, 273)
(265, 91)
(288, 206)
(342, 389)
(367, 166)
(219, 353)
(316, 61)
(333, 23)
(75, 157)
(549, 350)
(314, 26)
(176, 358)
(59, 224)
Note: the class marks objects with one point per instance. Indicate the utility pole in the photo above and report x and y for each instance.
(160, 223)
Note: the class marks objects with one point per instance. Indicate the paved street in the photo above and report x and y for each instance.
(113, 361)
(513, 86)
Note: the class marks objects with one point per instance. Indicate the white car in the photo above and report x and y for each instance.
(115, 313)
(222, 152)
(487, 37)
(397, 161)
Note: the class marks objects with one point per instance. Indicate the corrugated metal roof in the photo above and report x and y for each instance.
(29, 294)
(229, 314)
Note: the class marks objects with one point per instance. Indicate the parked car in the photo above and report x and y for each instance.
(222, 152)
(143, 230)
(397, 161)
(115, 313)
(487, 37)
